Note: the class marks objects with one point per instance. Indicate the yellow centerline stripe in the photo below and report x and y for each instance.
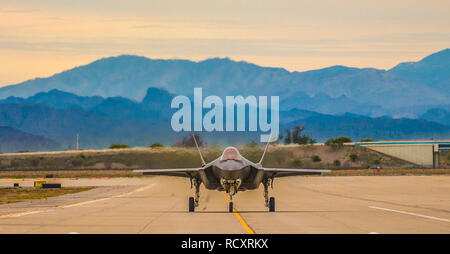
(243, 223)
(241, 220)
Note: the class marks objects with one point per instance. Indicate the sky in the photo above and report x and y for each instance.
(39, 38)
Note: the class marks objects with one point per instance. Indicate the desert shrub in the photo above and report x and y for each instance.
(252, 144)
(295, 136)
(346, 164)
(353, 157)
(337, 163)
(51, 162)
(35, 162)
(118, 146)
(305, 140)
(252, 153)
(278, 156)
(296, 163)
(15, 163)
(332, 143)
(108, 164)
(337, 142)
(315, 158)
(128, 163)
(77, 161)
(212, 153)
(376, 161)
(156, 145)
(343, 139)
(273, 157)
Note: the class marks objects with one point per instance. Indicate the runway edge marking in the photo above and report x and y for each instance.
(83, 203)
(410, 213)
(19, 214)
(114, 196)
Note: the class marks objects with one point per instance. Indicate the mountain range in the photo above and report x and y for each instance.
(12, 140)
(60, 116)
(126, 99)
(332, 90)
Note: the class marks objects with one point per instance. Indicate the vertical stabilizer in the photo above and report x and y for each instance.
(198, 149)
(265, 149)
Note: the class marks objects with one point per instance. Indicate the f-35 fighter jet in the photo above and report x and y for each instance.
(231, 172)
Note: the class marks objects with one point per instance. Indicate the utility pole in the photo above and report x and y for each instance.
(77, 142)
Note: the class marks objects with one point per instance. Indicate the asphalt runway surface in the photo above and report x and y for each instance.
(356, 204)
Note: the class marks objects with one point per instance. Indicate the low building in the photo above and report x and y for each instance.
(421, 152)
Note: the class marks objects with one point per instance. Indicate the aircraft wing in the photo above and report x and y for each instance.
(283, 172)
(182, 172)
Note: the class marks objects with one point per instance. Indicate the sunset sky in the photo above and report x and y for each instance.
(41, 37)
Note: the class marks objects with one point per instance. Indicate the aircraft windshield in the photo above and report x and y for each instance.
(231, 153)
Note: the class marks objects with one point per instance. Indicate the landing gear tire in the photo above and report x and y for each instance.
(191, 204)
(272, 204)
(230, 207)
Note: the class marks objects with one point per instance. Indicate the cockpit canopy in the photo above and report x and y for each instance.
(231, 153)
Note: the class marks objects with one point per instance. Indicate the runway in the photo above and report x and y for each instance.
(357, 204)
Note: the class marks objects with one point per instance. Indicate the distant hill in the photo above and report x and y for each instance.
(369, 86)
(98, 127)
(13, 140)
(155, 104)
(323, 103)
(433, 71)
(332, 90)
(57, 99)
(438, 115)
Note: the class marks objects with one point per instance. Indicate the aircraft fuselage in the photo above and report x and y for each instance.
(236, 168)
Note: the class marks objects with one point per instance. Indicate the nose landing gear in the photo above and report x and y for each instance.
(231, 187)
(230, 207)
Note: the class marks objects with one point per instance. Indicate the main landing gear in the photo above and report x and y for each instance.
(269, 202)
(231, 187)
(193, 201)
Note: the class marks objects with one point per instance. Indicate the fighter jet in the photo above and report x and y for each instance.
(231, 172)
